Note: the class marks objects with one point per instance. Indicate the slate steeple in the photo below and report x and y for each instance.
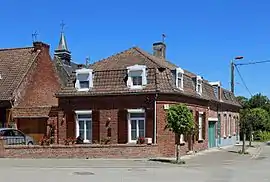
(62, 50)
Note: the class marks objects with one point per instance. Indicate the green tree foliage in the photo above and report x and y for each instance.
(259, 119)
(180, 121)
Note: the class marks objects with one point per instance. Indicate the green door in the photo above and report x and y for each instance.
(212, 134)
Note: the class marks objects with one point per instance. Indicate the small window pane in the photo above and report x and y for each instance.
(137, 115)
(137, 80)
(84, 84)
(141, 128)
(83, 77)
(81, 129)
(87, 116)
(133, 129)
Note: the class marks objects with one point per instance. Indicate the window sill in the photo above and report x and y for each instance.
(224, 136)
(230, 136)
(83, 90)
(136, 87)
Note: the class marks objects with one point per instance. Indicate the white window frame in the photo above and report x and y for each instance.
(77, 124)
(199, 79)
(137, 123)
(181, 71)
(90, 79)
(135, 68)
(200, 122)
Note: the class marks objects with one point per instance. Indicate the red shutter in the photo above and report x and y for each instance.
(197, 125)
(122, 126)
(203, 125)
(95, 126)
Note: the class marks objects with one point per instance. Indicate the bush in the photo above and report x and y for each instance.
(262, 136)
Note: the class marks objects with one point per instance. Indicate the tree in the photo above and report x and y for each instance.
(243, 101)
(244, 125)
(180, 121)
(258, 100)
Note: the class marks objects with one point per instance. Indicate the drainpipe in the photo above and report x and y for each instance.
(155, 119)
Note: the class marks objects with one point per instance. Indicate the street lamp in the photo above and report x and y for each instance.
(232, 71)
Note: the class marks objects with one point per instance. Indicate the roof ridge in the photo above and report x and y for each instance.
(15, 48)
(115, 54)
(144, 54)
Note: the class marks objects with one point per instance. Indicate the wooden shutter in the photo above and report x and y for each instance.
(197, 125)
(95, 126)
(203, 125)
(122, 126)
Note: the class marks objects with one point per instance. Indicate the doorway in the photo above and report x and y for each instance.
(212, 134)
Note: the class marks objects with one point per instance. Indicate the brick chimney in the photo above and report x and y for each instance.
(159, 50)
(41, 46)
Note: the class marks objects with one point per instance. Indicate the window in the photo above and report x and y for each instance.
(179, 78)
(84, 125)
(136, 76)
(84, 79)
(200, 126)
(136, 124)
(216, 92)
(18, 133)
(199, 85)
(137, 80)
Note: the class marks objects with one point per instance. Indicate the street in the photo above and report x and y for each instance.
(221, 166)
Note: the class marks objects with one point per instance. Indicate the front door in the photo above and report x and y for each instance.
(212, 134)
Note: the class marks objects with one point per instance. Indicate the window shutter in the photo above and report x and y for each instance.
(197, 125)
(95, 126)
(203, 125)
(122, 126)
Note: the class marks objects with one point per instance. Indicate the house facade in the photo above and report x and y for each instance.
(125, 96)
(28, 83)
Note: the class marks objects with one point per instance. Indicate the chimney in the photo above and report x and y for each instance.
(159, 50)
(41, 46)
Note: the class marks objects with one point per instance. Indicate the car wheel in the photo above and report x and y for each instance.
(30, 143)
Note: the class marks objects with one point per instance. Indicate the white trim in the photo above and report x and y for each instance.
(179, 70)
(199, 78)
(212, 119)
(200, 126)
(201, 112)
(136, 111)
(83, 112)
(217, 83)
(137, 124)
(182, 141)
(155, 121)
(136, 67)
(83, 71)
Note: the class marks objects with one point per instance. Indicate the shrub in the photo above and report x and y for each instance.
(262, 136)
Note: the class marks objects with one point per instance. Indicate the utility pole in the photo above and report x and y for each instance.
(232, 71)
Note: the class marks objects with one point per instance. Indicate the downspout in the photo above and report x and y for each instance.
(155, 119)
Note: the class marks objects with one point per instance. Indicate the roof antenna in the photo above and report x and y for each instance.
(163, 38)
(34, 36)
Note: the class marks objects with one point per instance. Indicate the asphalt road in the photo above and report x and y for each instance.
(222, 166)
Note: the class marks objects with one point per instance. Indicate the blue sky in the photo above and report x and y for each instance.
(202, 36)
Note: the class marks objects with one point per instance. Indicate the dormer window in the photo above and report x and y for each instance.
(84, 79)
(136, 76)
(199, 85)
(179, 78)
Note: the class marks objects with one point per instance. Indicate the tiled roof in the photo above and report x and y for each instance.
(14, 64)
(31, 112)
(110, 75)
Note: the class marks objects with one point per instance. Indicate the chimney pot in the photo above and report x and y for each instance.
(159, 50)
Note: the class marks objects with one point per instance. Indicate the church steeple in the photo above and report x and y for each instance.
(62, 50)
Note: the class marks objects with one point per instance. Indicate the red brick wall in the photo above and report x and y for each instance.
(83, 151)
(166, 139)
(109, 115)
(41, 83)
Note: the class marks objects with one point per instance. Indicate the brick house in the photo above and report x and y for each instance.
(28, 82)
(125, 96)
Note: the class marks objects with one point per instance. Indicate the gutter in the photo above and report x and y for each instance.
(155, 119)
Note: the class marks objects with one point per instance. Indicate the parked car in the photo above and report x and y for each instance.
(13, 136)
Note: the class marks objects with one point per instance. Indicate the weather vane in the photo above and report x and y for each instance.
(34, 36)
